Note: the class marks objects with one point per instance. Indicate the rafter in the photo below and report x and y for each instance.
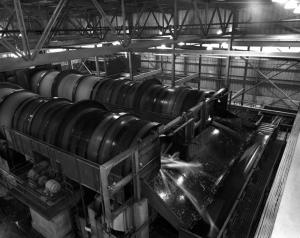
(50, 25)
(22, 27)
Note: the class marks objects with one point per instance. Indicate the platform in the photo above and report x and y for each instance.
(281, 214)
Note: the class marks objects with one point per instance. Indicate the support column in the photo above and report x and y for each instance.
(104, 65)
(70, 65)
(22, 27)
(124, 20)
(228, 64)
(130, 65)
(245, 78)
(199, 71)
(173, 65)
(173, 45)
(97, 64)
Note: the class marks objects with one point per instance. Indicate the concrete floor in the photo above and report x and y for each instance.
(12, 213)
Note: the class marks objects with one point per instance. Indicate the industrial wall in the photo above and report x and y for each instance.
(213, 75)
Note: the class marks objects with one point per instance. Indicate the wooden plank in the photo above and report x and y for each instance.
(280, 184)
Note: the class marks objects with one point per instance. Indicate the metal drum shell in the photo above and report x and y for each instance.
(46, 84)
(59, 78)
(106, 93)
(69, 129)
(83, 130)
(98, 134)
(72, 111)
(123, 93)
(115, 128)
(9, 85)
(142, 132)
(48, 117)
(149, 126)
(179, 96)
(167, 108)
(10, 104)
(41, 114)
(124, 141)
(156, 99)
(36, 79)
(85, 87)
(19, 117)
(115, 94)
(96, 87)
(5, 92)
(99, 89)
(67, 85)
(25, 113)
(160, 98)
(53, 128)
(141, 90)
(148, 99)
(130, 96)
(31, 115)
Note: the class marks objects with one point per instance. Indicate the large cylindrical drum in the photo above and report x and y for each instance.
(36, 79)
(66, 87)
(85, 87)
(10, 104)
(44, 114)
(45, 86)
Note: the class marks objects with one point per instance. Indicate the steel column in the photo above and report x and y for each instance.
(105, 17)
(22, 27)
(97, 64)
(50, 24)
(186, 79)
(11, 48)
(124, 20)
(130, 65)
(173, 65)
(266, 78)
(199, 72)
(245, 78)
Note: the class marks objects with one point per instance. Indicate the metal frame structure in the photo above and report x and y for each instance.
(94, 176)
(101, 22)
(26, 36)
(128, 22)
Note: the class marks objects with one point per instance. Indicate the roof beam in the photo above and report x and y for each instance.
(226, 53)
(50, 25)
(187, 79)
(146, 75)
(7, 64)
(22, 27)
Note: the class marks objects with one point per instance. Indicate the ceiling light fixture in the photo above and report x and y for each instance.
(209, 47)
(297, 10)
(279, 1)
(291, 4)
